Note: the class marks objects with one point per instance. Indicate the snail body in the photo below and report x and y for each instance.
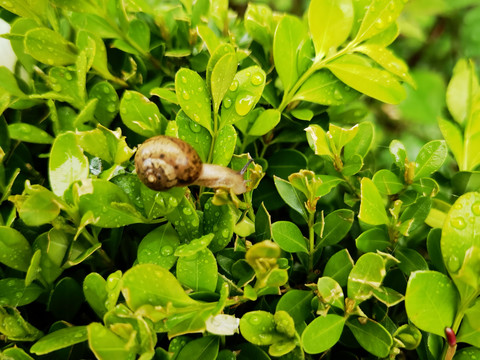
(163, 162)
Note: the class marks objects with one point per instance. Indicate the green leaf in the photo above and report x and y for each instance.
(28, 9)
(224, 147)
(409, 336)
(339, 266)
(292, 197)
(67, 163)
(388, 296)
(297, 303)
(415, 215)
(195, 134)
(289, 35)
(399, 154)
(141, 115)
(204, 348)
(243, 94)
(431, 301)
(158, 247)
(16, 353)
(325, 15)
(325, 89)
(387, 182)
(15, 293)
(372, 336)
(379, 16)
(469, 331)
(165, 94)
(198, 271)
(60, 339)
(94, 47)
(330, 292)
(460, 244)
(94, 24)
(336, 227)
(105, 344)
(461, 90)
(193, 97)
(219, 220)
(372, 210)
(77, 6)
(66, 299)
(286, 162)
(454, 138)
(431, 157)
(366, 275)
(139, 34)
(40, 207)
(109, 205)
(94, 290)
(372, 240)
(258, 327)
(362, 141)
(318, 140)
(376, 83)
(154, 285)
(208, 36)
(49, 47)
(410, 260)
(223, 74)
(259, 23)
(387, 59)
(289, 237)
(468, 353)
(265, 122)
(9, 83)
(183, 216)
(108, 103)
(322, 333)
(14, 326)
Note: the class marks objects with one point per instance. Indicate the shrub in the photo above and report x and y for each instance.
(347, 241)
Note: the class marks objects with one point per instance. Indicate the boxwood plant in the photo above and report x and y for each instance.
(347, 244)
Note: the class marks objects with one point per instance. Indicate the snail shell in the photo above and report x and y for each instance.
(163, 162)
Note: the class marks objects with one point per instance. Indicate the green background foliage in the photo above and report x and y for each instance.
(356, 238)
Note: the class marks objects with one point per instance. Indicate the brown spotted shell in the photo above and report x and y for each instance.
(163, 162)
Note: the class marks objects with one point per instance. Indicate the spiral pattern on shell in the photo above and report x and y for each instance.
(163, 162)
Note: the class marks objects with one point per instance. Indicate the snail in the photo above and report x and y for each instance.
(163, 162)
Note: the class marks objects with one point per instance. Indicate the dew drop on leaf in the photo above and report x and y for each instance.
(458, 223)
(244, 103)
(476, 208)
(185, 95)
(254, 320)
(234, 85)
(167, 250)
(184, 79)
(172, 202)
(187, 211)
(257, 79)
(453, 264)
(227, 102)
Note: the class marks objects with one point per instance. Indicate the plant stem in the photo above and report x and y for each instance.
(311, 240)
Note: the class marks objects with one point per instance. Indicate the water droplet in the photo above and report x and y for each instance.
(196, 117)
(185, 95)
(265, 338)
(184, 79)
(68, 76)
(476, 208)
(225, 233)
(453, 264)
(173, 202)
(257, 79)
(18, 295)
(227, 102)
(254, 320)
(457, 206)
(379, 24)
(244, 103)
(337, 95)
(127, 95)
(167, 250)
(234, 85)
(196, 128)
(187, 211)
(458, 223)
(111, 108)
